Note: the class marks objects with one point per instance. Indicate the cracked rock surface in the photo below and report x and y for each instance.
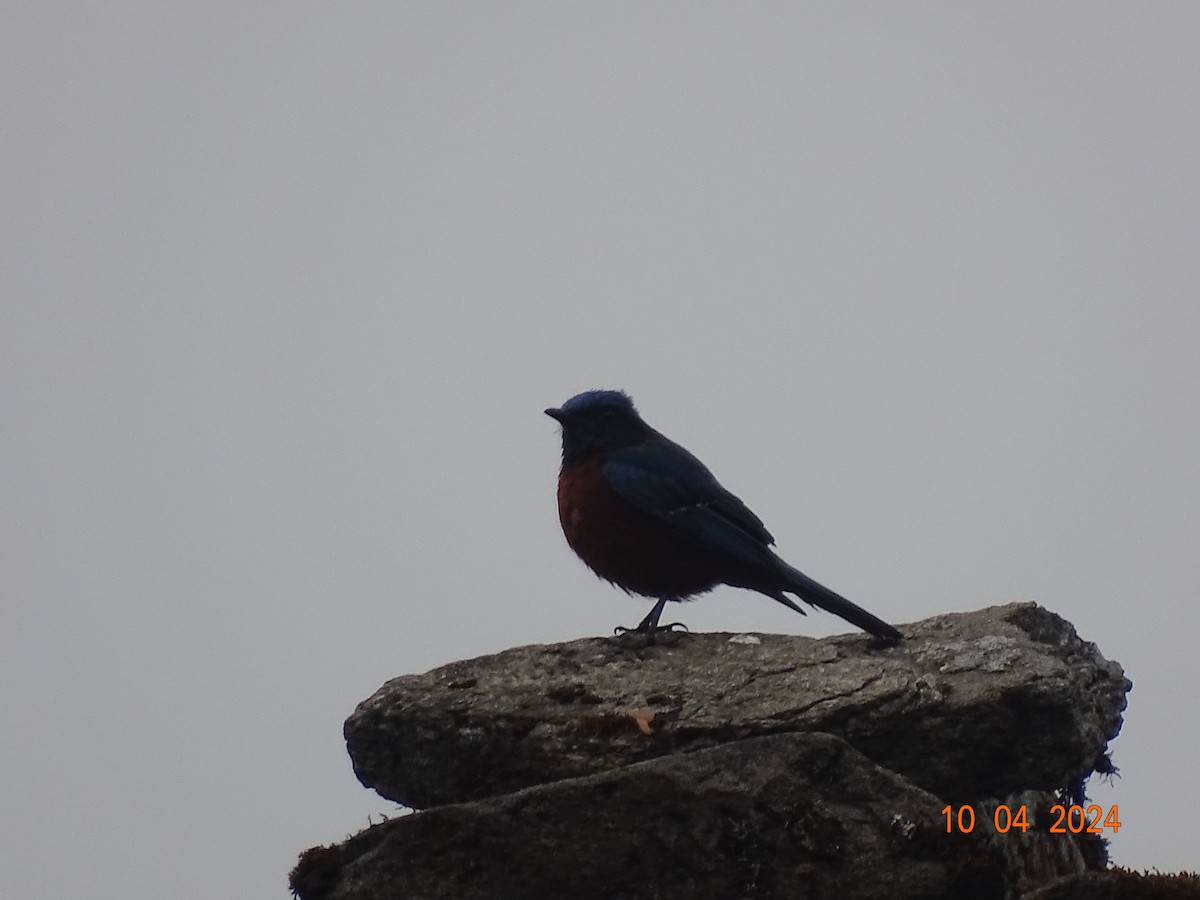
(969, 705)
(734, 766)
(786, 816)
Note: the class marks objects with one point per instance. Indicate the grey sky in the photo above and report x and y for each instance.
(285, 288)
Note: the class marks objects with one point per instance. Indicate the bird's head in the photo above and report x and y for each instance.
(598, 421)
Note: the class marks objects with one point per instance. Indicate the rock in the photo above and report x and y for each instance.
(792, 815)
(969, 706)
(1034, 856)
(743, 766)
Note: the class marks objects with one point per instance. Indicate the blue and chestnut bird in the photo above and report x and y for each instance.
(648, 516)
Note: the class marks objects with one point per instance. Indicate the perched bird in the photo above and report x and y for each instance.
(648, 516)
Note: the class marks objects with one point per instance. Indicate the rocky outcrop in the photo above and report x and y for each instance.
(716, 765)
(969, 705)
(751, 818)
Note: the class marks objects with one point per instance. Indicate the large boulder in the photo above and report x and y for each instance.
(969, 705)
(735, 766)
(792, 815)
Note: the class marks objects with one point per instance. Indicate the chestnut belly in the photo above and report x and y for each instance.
(623, 545)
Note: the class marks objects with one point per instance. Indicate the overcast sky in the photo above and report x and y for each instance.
(285, 287)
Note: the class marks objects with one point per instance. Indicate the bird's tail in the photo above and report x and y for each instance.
(822, 597)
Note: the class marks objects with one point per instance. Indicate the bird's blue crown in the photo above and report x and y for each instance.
(592, 401)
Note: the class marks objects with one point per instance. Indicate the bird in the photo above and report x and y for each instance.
(646, 515)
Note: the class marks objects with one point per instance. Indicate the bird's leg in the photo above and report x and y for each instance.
(650, 623)
(649, 626)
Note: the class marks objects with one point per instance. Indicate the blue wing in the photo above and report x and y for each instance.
(663, 480)
(666, 482)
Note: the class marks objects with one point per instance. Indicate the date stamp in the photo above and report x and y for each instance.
(1071, 819)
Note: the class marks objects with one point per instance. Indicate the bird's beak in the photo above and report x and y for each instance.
(557, 414)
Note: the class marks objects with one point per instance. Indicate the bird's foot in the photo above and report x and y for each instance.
(649, 627)
(649, 635)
